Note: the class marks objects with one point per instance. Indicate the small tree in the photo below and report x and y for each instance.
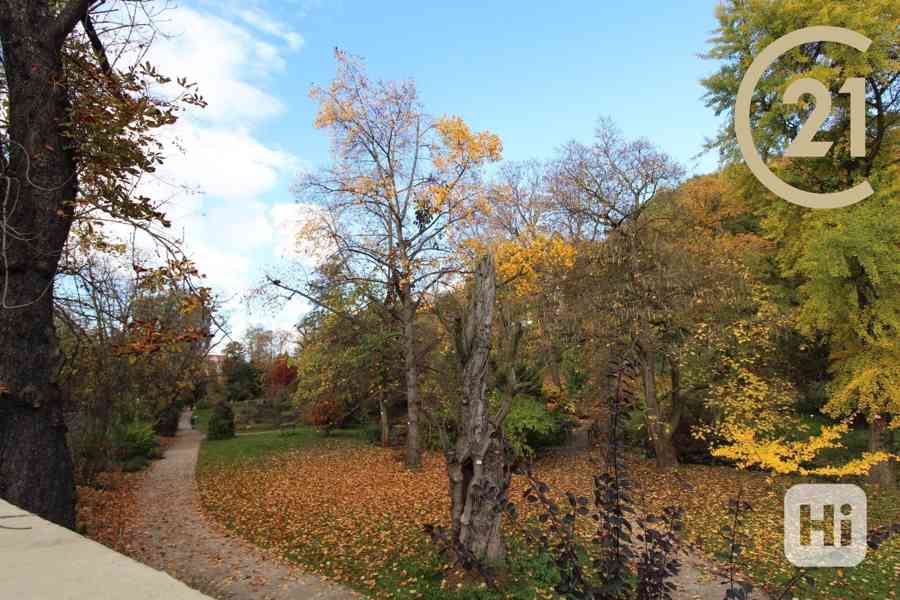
(221, 422)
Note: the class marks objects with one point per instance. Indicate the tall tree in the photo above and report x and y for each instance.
(840, 264)
(74, 132)
(399, 184)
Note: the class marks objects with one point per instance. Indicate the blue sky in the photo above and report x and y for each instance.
(536, 74)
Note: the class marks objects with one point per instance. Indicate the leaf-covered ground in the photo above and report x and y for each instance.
(353, 513)
(107, 511)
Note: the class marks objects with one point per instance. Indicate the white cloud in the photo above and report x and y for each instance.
(229, 230)
(222, 161)
(264, 23)
(226, 61)
(288, 220)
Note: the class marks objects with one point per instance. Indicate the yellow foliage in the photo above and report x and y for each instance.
(747, 449)
(463, 147)
(522, 261)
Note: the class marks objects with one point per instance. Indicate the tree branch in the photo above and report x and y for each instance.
(69, 17)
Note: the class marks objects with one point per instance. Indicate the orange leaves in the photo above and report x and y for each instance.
(355, 513)
(463, 147)
(107, 513)
(342, 512)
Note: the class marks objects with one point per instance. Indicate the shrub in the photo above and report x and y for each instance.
(373, 433)
(135, 463)
(167, 421)
(221, 422)
(132, 440)
(90, 456)
(530, 426)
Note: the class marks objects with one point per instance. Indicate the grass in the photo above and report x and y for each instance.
(257, 446)
(201, 416)
(351, 512)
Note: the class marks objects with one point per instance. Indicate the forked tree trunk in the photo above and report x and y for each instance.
(413, 444)
(479, 477)
(883, 473)
(659, 427)
(36, 206)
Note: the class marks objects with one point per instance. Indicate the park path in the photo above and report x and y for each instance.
(173, 535)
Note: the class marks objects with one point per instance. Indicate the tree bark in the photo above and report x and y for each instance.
(883, 473)
(658, 426)
(37, 193)
(385, 424)
(413, 443)
(478, 474)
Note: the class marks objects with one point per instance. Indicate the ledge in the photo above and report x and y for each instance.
(49, 562)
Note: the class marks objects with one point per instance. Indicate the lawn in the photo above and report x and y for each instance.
(351, 512)
(201, 419)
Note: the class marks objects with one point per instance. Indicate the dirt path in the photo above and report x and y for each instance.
(173, 535)
(699, 581)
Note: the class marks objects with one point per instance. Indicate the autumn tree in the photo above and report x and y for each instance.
(133, 347)
(841, 264)
(399, 183)
(74, 131)
(612, 192)
(349, 360)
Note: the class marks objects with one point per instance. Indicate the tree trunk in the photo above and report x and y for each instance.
(413, 444)
(658, 426)
(677, 400)
(883, 473)
(385, 424)
(36, 202)
(476, 467)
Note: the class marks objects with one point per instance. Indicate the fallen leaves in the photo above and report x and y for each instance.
(355, 514)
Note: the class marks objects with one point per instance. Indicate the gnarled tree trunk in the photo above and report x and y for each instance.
(37, 193)
(476, 467)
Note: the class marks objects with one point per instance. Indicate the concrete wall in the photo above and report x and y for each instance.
(48, 562)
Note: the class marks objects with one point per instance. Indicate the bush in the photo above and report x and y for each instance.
(167, 421)
(90, 456)
(133, 440)
(221, 422)
(135, 463)
(373, 433)
(530, 426)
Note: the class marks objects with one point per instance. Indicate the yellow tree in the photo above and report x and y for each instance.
(399, 185)
(841, 264)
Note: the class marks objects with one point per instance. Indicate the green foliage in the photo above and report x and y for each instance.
(530, 426)
(167, 421)
(135, 463)
(221, 422)
(242, 378)
(133, 440)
